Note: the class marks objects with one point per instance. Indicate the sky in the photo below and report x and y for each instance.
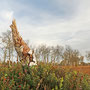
(51, 22)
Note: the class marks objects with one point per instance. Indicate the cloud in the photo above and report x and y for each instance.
(5, 20)
(51, 22)
(6, 15)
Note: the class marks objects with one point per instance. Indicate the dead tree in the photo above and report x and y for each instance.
(22, 49)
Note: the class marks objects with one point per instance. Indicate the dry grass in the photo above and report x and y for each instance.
(82, 69)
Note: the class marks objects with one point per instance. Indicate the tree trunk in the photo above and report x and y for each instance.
(20, 46)
(5, 54)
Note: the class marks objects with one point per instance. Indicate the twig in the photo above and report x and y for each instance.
(39, 84)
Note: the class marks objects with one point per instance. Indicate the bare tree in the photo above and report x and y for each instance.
(48, 49)
(7, 45)
(47, 53)
(56, 53)
(37, 54)
(3, 53)
(42, 52)
(71, 57)
(26, 55)
(88, 55)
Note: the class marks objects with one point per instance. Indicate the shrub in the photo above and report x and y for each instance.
(41, 77)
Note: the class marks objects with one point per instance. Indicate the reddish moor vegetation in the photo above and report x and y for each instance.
(82, 69)
(44, 76)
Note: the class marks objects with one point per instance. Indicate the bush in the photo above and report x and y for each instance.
(41, 77)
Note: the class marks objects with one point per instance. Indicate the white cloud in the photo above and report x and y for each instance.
(6, 15)
(73, 28)
(51, 29)
(5, 20)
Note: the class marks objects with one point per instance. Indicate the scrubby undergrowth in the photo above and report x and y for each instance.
(41, 77)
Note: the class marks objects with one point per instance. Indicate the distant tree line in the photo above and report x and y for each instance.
(6, 46)
(54, 54)
(59, 54)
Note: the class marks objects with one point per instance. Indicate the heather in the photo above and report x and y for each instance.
(44, 76)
